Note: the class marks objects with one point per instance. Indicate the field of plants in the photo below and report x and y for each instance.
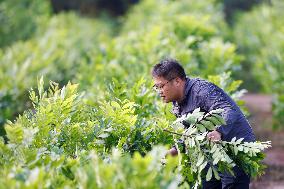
(77, 109)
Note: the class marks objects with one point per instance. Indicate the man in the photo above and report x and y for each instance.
(187, 94)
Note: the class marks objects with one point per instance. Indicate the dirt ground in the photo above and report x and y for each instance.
(260, 108)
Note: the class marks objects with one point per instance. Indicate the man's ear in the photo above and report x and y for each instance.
(178, 81)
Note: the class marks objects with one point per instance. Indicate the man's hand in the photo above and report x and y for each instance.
(173, 152)
(214, 136)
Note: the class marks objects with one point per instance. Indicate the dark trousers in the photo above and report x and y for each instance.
(240, 181)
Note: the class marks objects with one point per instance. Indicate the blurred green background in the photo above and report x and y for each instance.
(62, 40)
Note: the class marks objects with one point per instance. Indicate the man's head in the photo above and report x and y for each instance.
(169, 78)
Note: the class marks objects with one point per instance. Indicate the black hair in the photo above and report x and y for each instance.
(169, 69)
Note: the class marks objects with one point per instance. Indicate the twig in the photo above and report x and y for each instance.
(173, 132)
(178, 133)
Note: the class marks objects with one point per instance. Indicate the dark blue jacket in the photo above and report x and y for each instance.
(207, 96)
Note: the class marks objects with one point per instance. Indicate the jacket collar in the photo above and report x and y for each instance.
(187, 87)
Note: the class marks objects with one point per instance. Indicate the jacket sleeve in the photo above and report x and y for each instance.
(212, 97)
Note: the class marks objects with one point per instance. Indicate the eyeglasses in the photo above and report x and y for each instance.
(159, 87)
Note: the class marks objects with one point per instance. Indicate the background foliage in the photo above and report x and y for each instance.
(259, 36)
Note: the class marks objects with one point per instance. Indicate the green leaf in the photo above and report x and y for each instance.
(216, 174)
(236, 150)
(240, 148)
(192, 131)
(213, 148)
(200, 159)
(214, 120)
(100, 142)
(220, 119)
(63, 93)
(209, 174)
(191, 118)
(115, 104)
(103, 135)
(239, 140)
(202, 166)
(216, 111)
(40, 87)
(110, 129)
(201, 128)
(14, 133)
(216, 160)
(208, 124)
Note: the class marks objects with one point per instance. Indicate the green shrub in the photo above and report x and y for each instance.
(55, 54)
(157, 29)
(65, 140)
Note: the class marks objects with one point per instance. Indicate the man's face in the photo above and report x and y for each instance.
(167, 89)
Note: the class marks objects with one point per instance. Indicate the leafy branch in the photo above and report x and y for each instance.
(207, 158)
